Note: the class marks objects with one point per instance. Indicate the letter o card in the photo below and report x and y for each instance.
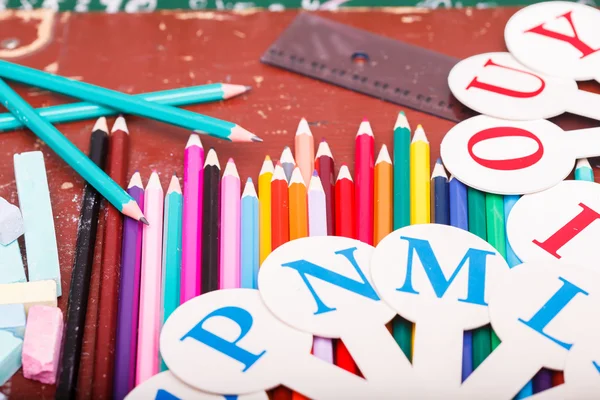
(561, 223)
(165, 386)
(557, 38)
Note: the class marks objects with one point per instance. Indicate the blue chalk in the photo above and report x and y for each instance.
(11, 264)
(11, 348)
(34, 201)
(12, 319)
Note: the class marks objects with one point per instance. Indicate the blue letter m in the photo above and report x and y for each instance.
(477, 267)
(362, 287)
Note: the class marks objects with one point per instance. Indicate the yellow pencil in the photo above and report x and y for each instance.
(298, 206)
(264, 210)
(420, 176)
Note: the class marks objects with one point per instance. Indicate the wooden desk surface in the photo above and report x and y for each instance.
(150, 52)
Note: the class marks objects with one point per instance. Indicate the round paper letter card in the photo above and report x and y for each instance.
(432, 269)
(582, 370)
(507, 157)
(497, 85)
(322, 285)
(227, 341)
(557, 38)
(165, 386)
(561, 223)
(542, 308)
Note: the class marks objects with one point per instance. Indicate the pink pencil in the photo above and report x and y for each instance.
(150, 292)
(229, 267)
(363, 167)
(193, 187)
(305, 150)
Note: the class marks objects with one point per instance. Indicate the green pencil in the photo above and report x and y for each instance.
(402, 328)
(127, 104)
(482, 344)
(70, 153)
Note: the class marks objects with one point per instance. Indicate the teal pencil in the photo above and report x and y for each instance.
(584, 171)
(171, 263)
(173, 97)
(127, 104)
(249, 246)
(70, 153)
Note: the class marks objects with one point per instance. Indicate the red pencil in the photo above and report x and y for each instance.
(325, 166)
(363, 168)
(280, 226)
(344, 226)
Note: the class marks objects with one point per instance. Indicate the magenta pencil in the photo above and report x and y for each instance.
(151, 280)
(193, 187)
(363, 167)
(229, 266)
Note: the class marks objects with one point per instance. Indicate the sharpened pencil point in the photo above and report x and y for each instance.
(100, 125)
(256, 139)
(120, 125)
(248, 88)
(144, 221)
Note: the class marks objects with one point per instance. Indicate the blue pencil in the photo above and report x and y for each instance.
(439, 192)
(249, 228)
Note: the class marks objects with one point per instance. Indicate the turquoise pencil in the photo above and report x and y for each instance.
(127, 104)
(249, 246)
(584, 171)
(66, 150)
(171, 263)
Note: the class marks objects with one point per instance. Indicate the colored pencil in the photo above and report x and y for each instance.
(249, 231)
(363, 168)
(459, 217)
(542, 380)
(419, 178)
(66, 386)
(401, 172)
(298, 206)
(496, 234)
(128, 305)
(305, 150)
(513, 260)
(171, 261)
(383, 212)
(229, 255)
(211, 223)
(345, 225)
(173, 97)
(325, 166)
(104, 357)
(280, 231)
(440, 202)
(150, 282)
(66, 150)
(264, 202)
(287, 162)
(126, 103)
(193, 191)
(584, 171)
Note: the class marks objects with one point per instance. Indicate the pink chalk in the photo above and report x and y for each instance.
(41, 346)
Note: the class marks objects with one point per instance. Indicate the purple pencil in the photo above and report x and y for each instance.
(193, 187)
(127, 315)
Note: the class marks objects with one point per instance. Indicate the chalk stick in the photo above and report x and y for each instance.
(11, 222)
(41, 346)
(29, 294)
(12, 319)
(10, 355)
(34, 200)
(11, 264)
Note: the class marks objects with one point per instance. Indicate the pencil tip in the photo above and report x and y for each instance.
(120, 125)
(100, 125)
(256, 139)
(248, 88)
(144, 221)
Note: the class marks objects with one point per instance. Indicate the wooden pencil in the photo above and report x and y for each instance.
(304, 147)
(249, 237)
(264, 198)
(298, 206)
(171, 260)
(150, 282)
(325, 166)
(383, 208)
(129, 290)
(440, 203)
(82, 270)
(584, 171)
(363, 168)
(288, 163)
(229, 255)
(193, 190)
(211, 222)
(419, 178)
(496, 234)
(118, 160)
(280, 231)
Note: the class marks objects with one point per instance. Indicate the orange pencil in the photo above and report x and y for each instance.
(383, 195)
(280, 232)
(305, 150)
(298, 206)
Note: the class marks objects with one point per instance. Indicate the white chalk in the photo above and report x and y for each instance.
(11, 222)
(10, 355)
(41, 346)
(29, 293)
(11, 264)
(12, 319)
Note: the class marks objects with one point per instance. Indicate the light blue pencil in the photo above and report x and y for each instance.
(171, 262)
(249, 246)
(584, 171)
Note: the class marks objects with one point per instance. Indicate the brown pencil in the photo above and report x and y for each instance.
(118, 157)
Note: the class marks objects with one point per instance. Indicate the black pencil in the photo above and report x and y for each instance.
(211, 217)
(82, 271)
